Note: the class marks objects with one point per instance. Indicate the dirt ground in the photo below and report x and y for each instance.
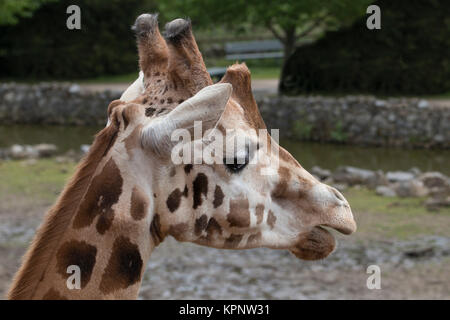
(412, 267)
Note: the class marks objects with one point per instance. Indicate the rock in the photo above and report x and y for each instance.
(438, 202)
(415, 171)
(380, 103)
(439, 138)
(423, 104)
(352, 175)
(434, 180)
(17, 151)
(398, 176)
(74, 89)
(385, 191)
(321, 173)
(4, 153)
(31, 152)
(85, 148)
(420, 253)
(378, 179)
(410, 188)
(22, 152)
(45, 150)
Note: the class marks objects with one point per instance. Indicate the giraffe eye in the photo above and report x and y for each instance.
(236, 165)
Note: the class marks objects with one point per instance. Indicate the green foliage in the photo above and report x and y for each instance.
(338, 134)
(283, 13)
(12, 10)
(302, 130)
(409, 55)
(288, 20)
(41, 46)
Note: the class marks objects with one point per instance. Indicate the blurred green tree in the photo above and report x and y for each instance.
(409, 55)
(288, 20)
(42, 47)
(12, 10)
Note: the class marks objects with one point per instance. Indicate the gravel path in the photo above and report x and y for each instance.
(418, 269)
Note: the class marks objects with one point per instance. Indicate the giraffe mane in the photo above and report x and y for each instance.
(57, 219)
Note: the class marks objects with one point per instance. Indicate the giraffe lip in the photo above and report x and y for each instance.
(341, 219)
(342, 229)
(314, 245)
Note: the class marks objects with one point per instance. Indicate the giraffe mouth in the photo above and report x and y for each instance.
(314, 245)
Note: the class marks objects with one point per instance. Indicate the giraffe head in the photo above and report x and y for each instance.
(237, 198)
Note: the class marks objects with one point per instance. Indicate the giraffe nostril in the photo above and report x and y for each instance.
(338, 195)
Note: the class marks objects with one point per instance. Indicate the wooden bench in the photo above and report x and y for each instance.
(248, 50)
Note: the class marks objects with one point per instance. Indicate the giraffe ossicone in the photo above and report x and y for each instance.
(127, 194)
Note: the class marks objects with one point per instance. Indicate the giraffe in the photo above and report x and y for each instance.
(127, 195)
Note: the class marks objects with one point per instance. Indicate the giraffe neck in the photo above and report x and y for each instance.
(100, 225)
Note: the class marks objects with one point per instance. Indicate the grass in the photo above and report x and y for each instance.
(123, 78)
(37, 181)
(398, 218)
(257, 74)
(25, 183)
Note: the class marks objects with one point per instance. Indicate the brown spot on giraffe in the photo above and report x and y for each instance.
(259, 212)
(104, 221)
(188, 168)
(213, 229)
(282, 186)
(254, 239)
(139, 204)
(233, 240)
(125, 118)
(177, 229)
(218, 197)
(150, 111)
(132, 141)
(102, 194)
(239, 215)
(53, 294)
(174, 199)
(173, 172)
(200, 224)
(124, 266)
(200, 187)
(78, 253)
(155, 230)
(271, 219)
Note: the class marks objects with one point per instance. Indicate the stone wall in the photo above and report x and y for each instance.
(362, 120)
(53, 103)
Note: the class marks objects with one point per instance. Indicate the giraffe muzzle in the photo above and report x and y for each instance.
(334, 212)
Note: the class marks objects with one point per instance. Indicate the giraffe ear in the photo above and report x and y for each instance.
(206, 106)
(134, 90)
